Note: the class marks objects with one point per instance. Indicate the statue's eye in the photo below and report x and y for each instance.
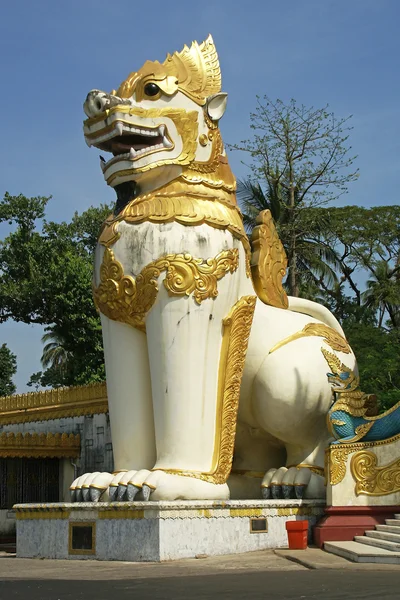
(151, 89)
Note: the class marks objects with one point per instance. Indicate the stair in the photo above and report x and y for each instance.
(381, 545)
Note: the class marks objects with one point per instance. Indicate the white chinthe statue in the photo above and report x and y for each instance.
(217, 385)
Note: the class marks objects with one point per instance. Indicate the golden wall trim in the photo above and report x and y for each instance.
(57, 403)
(39, 445)
(372, 480)
(22, 515)
(121, 514)
(337, 455)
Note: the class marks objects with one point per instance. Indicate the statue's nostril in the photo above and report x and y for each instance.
(99, 104)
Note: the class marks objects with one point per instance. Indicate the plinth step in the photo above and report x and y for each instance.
(360, 553)
(384, 535)
(393, 522)
(389, 528)
(371, 541)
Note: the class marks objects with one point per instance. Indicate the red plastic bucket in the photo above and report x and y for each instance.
(297, 532)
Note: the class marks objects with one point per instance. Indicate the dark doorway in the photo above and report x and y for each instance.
(28, 480)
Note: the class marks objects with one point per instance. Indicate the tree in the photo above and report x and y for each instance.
(301, 155)
(8, 368)
(378, 358)
(316, 261)
(46, 278)
(383, 293)
(54, 355)
(366, 242)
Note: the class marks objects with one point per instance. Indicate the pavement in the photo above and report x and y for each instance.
(282, 573)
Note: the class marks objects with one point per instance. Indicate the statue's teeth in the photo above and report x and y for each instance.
(166, 143)
(161, 129)
(132, 153)
(119, 128)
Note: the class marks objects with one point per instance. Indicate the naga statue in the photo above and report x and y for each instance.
(217, 381)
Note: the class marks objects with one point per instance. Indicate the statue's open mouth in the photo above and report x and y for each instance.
(128, 142)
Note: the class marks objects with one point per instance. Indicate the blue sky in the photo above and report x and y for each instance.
(342, 52)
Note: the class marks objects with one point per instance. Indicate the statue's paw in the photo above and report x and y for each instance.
(291, 483)
(158, 485)
(104, 487)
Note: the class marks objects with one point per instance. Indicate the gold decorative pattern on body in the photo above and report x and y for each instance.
(39, 445)
(337, 455)
(313, 468)
(54, 404)
(331, 337)
(372, 480)
(127, 299)
(268, 262)
(236, 332)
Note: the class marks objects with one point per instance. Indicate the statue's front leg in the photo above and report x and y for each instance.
(188, 340)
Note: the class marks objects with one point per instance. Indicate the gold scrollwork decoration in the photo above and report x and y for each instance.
(268, 262)
(336, 456)
(330, 336)
(236, 332)
(127, 299)
(372, 480)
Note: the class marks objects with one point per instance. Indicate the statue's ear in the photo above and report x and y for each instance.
(216, 105)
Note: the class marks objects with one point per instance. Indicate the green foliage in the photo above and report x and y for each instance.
(8, 368)
(45, 277)
(378, 358)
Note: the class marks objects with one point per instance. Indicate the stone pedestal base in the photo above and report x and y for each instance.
(157, 531)
(343, 523)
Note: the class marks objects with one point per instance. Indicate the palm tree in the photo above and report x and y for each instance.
(310, 260)
(383, 293)
(54, 355)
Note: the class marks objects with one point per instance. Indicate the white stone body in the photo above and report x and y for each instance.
(162, 385)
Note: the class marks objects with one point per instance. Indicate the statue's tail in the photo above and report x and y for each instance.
(313, 309)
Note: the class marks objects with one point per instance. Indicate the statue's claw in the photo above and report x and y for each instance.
(290, 483)
(121, 492)
(146, 491)
(132, 490)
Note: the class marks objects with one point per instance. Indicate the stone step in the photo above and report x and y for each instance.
(370, 541)
(388, 528)
(384, 535)
(362, 553)
(393, 522)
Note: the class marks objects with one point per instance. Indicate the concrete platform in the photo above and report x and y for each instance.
(157, 531)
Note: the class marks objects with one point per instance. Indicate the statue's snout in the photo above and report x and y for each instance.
(96, 103)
